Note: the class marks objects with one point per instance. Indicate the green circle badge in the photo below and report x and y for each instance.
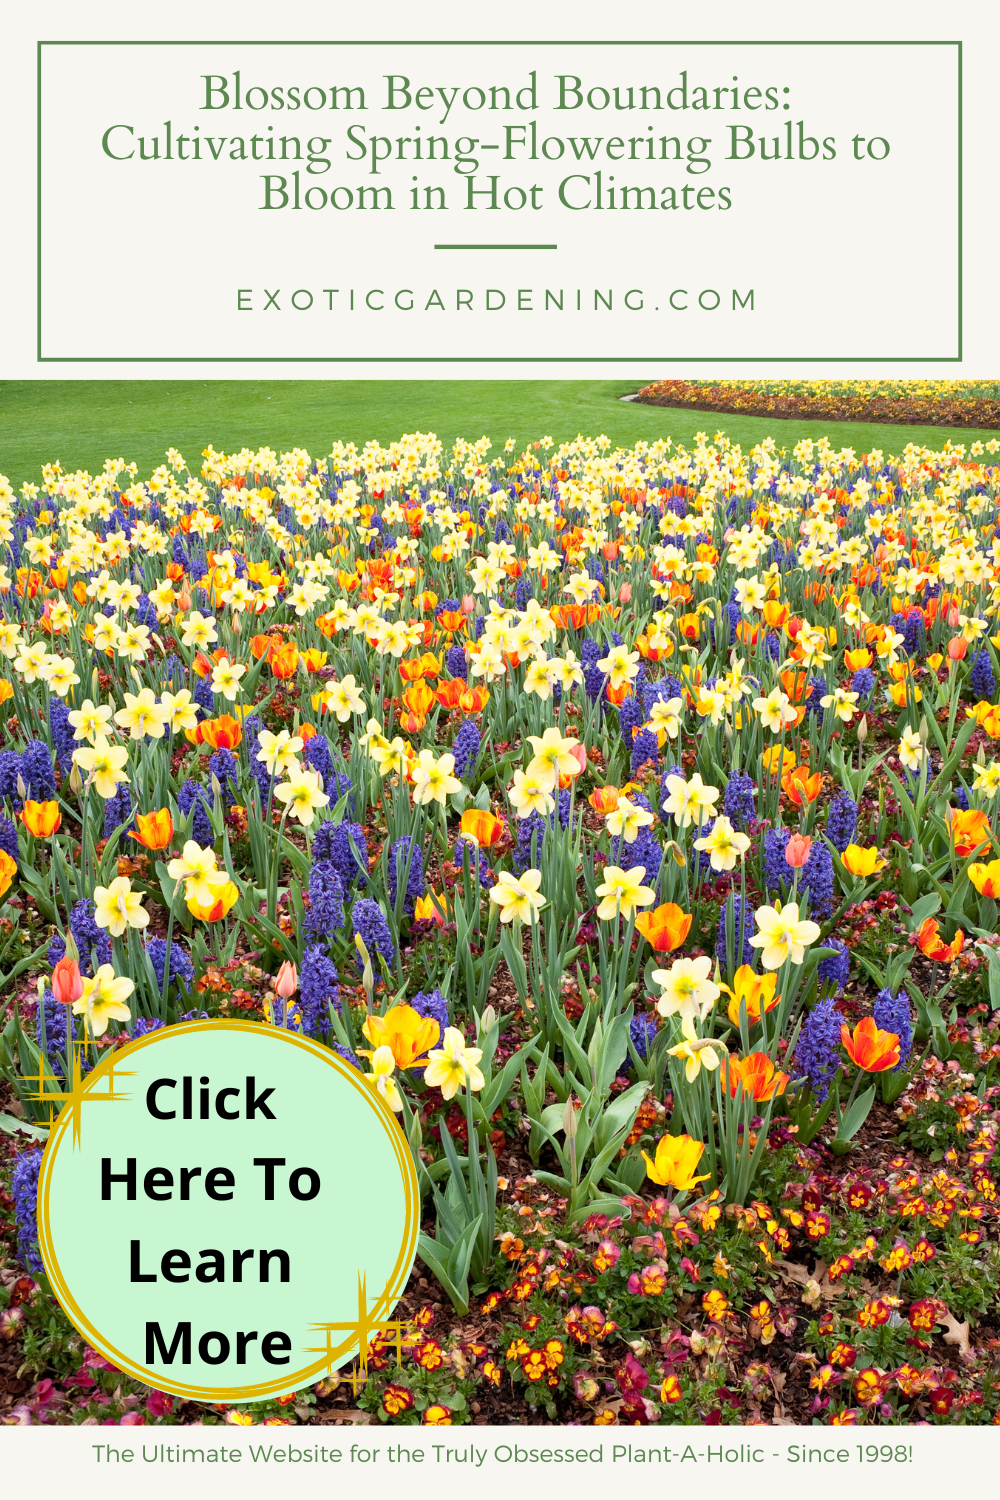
(226, 1211)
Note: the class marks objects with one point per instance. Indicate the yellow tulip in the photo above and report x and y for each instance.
(677, 1156)
(861, 861)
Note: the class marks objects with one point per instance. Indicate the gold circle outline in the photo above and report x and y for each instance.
(394, 1286)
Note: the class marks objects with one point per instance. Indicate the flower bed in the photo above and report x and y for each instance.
(625, 817)
(935, 403)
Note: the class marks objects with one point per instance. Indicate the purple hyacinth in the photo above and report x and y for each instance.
(738, 802)
(193, 795)
(642, 1030)
(478, 863)
(466, 749)
(404, 852)
(56, 1017)
(371, 926)
(317, 755)
(89, 938)
(841, 821)
(981, 680)
(456, 663)
(8, 839)
(631, 715)
(892, 1013)
(835, 969)
(433, 1004)
(333, 843)
(37, 771)
(817, 1052)
(224, 766)
(645, 747)
(863, 683)
(181, 967)
(61, 730)
(24, 1187)
(319, 987)
(326, 899)
(814, 877)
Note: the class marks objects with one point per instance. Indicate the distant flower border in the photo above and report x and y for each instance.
(945, 403)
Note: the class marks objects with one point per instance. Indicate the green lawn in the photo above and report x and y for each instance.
(81, 423)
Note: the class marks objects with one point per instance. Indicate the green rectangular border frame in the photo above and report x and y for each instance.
(496, 359)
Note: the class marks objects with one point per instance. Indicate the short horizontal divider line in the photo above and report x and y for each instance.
(496, 247)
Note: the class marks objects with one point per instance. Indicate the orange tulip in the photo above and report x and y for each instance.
(800, 787)
(483, 827)
(775, 614)
(870, 1049)
(427, 665)
(412, 723)
(41, 818)
(665, 928)
(969, 830)
(426, 908)
(932, 945)
(451, 620)
(202, 665)
(223, 733)
(419, 698)
(796, 686)
(797, 850)
(8, 869)
(67, 981)
(284, 659)
(156, 829)
(856, 660)
(449, 694)
(260, 645)
(617, 696)
(690, 626)
(216, 910)
(986, 878)
(604, 799)
(761, 1080)
(474, 700)
(314, 659)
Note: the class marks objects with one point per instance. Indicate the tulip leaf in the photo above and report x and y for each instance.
(10, 1124)
(855, 1117)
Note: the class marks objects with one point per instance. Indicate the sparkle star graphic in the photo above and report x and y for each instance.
(79, 1092)
(363, 1329)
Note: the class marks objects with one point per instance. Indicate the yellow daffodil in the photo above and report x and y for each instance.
(103, 763)
(103, 1000)
(622, 891)
(301, 795)
(454, 1064)
(117, 906)
(782, 935)
(518, 897)
(380, 1078)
